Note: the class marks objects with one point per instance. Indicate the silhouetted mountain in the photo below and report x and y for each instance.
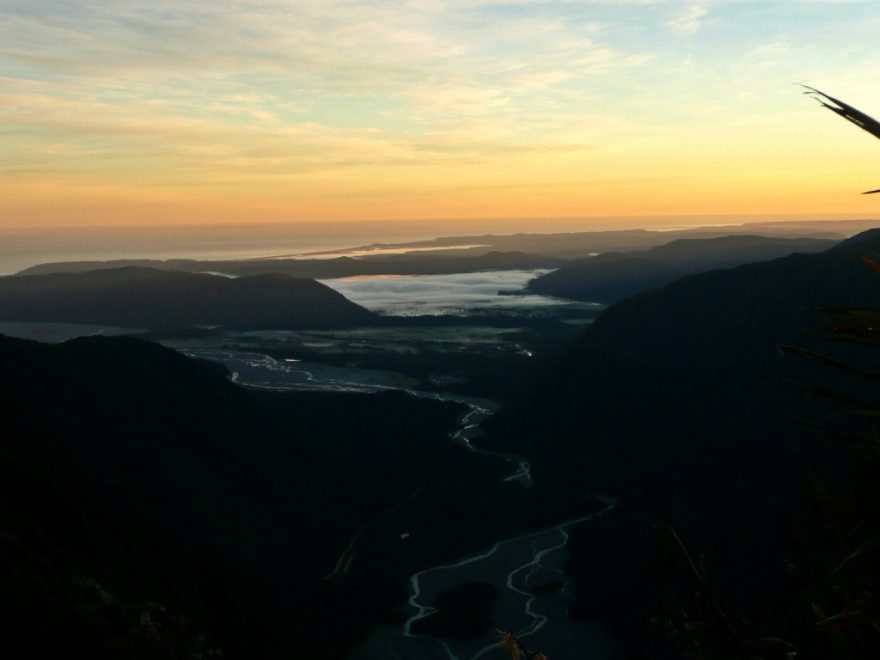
(613, 276)
(146, 298)
(470, 253)
(670, 401)
(418, 263)
(568, 245)
(868, 238)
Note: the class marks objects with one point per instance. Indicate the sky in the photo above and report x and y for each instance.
(135, 112)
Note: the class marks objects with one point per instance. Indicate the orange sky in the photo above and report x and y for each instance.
(281, 110)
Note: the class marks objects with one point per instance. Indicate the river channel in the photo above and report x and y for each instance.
(533, 592)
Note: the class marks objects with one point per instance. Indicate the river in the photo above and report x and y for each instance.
(514, 566)
(265, 372)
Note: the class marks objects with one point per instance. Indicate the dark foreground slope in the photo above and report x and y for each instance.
(670, 401)
(149, 508)
(144, 298)
(613, 276)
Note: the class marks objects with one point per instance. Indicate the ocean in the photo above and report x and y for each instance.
(21, 248)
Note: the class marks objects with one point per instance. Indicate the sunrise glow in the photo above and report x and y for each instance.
(166, 112)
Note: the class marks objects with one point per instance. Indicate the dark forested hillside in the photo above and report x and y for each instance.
(674, 401)
(149, 508)
(696, 333)
(612, 276)
(147, 298)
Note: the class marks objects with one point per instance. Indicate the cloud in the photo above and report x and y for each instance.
(690, 20)
(320, 102)
(276, 87)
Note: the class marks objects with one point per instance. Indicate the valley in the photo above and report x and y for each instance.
(503, 519)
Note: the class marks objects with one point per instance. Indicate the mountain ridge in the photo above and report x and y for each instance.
(675, 400)
(614, 276)
(139, 297)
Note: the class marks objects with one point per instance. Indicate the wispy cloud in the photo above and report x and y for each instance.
(690, 20)
(345, 97)
(278, 85)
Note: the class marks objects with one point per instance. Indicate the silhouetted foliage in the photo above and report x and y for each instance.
(851, 114)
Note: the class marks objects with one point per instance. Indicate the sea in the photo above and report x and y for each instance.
(21, 248)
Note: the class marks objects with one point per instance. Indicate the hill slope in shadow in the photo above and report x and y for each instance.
(144, 298)
(672, 401)
(613, 276)
(149, 508)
